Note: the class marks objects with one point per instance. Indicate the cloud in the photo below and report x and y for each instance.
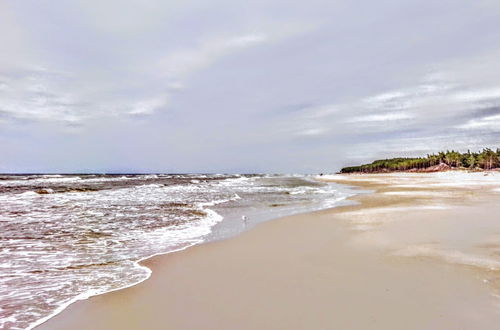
(33, 95)
(442, 109)
(478, 95)
(312, 132)
(283, 85)
(247, 40)
(147, 107)
(50, 92)
(485, 123)
(388, 116)
(48, 95)
(44, 95)
(180, 63)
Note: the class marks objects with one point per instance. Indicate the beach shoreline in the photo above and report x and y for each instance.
(295, 271)
(84, 235)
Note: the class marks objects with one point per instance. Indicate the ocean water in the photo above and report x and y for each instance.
(68, 237)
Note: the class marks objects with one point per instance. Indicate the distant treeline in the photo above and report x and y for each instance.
(486, 160)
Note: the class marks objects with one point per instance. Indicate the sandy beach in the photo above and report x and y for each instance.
(419, 251)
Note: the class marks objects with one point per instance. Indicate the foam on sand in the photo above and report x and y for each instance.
(418, 180)
(450, 256)
(415, 193)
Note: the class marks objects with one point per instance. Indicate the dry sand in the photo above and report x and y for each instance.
(412, 255)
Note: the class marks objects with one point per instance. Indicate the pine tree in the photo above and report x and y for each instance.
(486, 159)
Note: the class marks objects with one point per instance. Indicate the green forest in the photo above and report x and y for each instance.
(485, 160)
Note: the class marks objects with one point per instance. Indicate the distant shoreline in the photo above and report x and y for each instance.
(451, 169)
(487, 159)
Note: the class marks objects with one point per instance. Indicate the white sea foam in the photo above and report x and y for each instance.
(388, 210)
(29, 194)
(450, 256)
(94, 292)
(74, 244)
(414, 193)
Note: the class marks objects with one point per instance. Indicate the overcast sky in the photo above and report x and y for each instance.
(243, 86)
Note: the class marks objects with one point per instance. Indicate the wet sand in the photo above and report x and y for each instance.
(415, 254)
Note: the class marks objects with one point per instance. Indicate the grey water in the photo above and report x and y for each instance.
(68, 237)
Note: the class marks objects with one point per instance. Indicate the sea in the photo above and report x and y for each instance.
(70, 237)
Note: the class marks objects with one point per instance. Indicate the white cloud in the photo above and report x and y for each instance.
(36, 95)
(43, 94)
(386, 97)
(389, 116)
(318, 112)
(489, 122)
(478, 95)
(250, 70)
(309, 121)
(409, 97)
(133, 59)
(180, 63)
(247, 40)
(148, 106)
(312, 132)
(436, 101)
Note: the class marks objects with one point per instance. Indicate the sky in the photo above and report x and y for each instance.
(234, 86)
